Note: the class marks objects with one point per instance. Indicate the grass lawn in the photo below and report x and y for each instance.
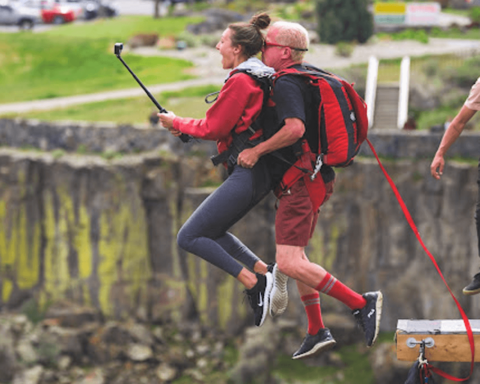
(188, 103)
(123, 27)
(78, 59)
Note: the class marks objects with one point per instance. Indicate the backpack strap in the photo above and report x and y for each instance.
(242, 140)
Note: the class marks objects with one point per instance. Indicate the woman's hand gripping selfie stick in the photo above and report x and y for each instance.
(118, 50)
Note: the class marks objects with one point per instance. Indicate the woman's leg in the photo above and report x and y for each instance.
(205, 232)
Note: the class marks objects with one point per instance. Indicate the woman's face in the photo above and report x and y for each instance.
(229, 53)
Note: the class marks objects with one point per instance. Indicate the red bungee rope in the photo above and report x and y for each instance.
(415, 231)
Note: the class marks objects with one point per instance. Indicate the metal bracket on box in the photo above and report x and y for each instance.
(412, 342)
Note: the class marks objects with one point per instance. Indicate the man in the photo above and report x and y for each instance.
(455, 128)
(285, 46)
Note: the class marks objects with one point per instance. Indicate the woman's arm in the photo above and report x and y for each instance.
(238, 104)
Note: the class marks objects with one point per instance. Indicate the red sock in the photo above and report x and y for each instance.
(314, 314)
(334, 288)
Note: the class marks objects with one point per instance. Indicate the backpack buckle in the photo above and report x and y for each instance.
(318, 166)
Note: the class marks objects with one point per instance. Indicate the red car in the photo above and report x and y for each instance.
(58, 13)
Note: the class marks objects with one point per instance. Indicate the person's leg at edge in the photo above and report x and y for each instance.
(474, 286)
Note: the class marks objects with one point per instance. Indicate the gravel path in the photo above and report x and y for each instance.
(207, 67)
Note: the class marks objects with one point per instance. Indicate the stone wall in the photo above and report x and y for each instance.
(82, 137)
(102, 233)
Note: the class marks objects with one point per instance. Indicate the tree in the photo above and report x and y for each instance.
(344, 20)
(157, 9)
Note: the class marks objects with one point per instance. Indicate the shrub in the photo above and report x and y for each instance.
(344, 20)
(474, 14)
(190, 39)
(344, 49)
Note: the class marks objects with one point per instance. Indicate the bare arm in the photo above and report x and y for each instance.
(451, 135)
(287, 135)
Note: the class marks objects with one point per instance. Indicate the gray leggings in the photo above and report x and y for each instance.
(205, 232)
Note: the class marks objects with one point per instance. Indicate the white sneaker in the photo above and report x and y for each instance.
(279, 294)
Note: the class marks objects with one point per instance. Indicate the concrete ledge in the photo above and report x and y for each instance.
(103, 137)
(418, 144)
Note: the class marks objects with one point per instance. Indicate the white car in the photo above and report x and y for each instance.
(24, 13)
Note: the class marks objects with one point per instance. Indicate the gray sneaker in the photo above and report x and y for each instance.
(315, 344)
(279, 294)
(474, 287)
(369, 316)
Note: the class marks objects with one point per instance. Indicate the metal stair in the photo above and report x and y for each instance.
(386, 106)
(387, 101)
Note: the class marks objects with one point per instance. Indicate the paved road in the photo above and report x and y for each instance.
(135, 7)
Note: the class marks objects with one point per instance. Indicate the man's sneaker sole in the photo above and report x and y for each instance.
(468, 292)
(266, 297)
(378, 316)
(279, 297)
(319, 348)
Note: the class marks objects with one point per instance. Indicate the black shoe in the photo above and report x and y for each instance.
(314, 344)
(369, 316)
(259, 297)
(279, 295)
(474, 287)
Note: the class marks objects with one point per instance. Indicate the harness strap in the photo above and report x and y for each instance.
(460, 309)
(239, 143)
(241, 140)
(303, 166)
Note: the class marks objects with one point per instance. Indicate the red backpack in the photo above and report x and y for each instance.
(343, 111)
(342, 125)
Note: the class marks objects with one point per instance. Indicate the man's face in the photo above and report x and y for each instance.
(272, 55)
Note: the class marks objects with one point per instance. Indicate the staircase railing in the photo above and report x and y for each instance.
(371, 88)
(403, 92)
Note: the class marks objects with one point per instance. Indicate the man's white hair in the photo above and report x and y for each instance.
(293, 35)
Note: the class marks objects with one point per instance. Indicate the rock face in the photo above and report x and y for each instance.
(102, 233)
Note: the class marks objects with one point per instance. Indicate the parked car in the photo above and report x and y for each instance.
(60, 12)
(19, 13)
(96, 8)
(105, 8)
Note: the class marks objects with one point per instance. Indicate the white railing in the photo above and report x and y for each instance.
(371, 88)
(403, 92)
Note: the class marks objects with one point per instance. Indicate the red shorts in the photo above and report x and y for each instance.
(296, 219)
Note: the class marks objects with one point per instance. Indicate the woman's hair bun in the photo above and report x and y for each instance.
(260, 20)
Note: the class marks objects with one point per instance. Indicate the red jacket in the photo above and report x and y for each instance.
(238, 105)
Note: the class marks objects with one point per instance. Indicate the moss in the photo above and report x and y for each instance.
(58, 153)
(293, 371)
(225, 292)
(57, 276)
(7, 288)
(386, 337)
(83, 246)
(358, 369)
(27, 252)
(202, 298)
(123, 250)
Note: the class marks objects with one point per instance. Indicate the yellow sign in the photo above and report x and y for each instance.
(390, 8)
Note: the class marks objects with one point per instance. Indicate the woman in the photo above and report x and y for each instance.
(239, 104)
